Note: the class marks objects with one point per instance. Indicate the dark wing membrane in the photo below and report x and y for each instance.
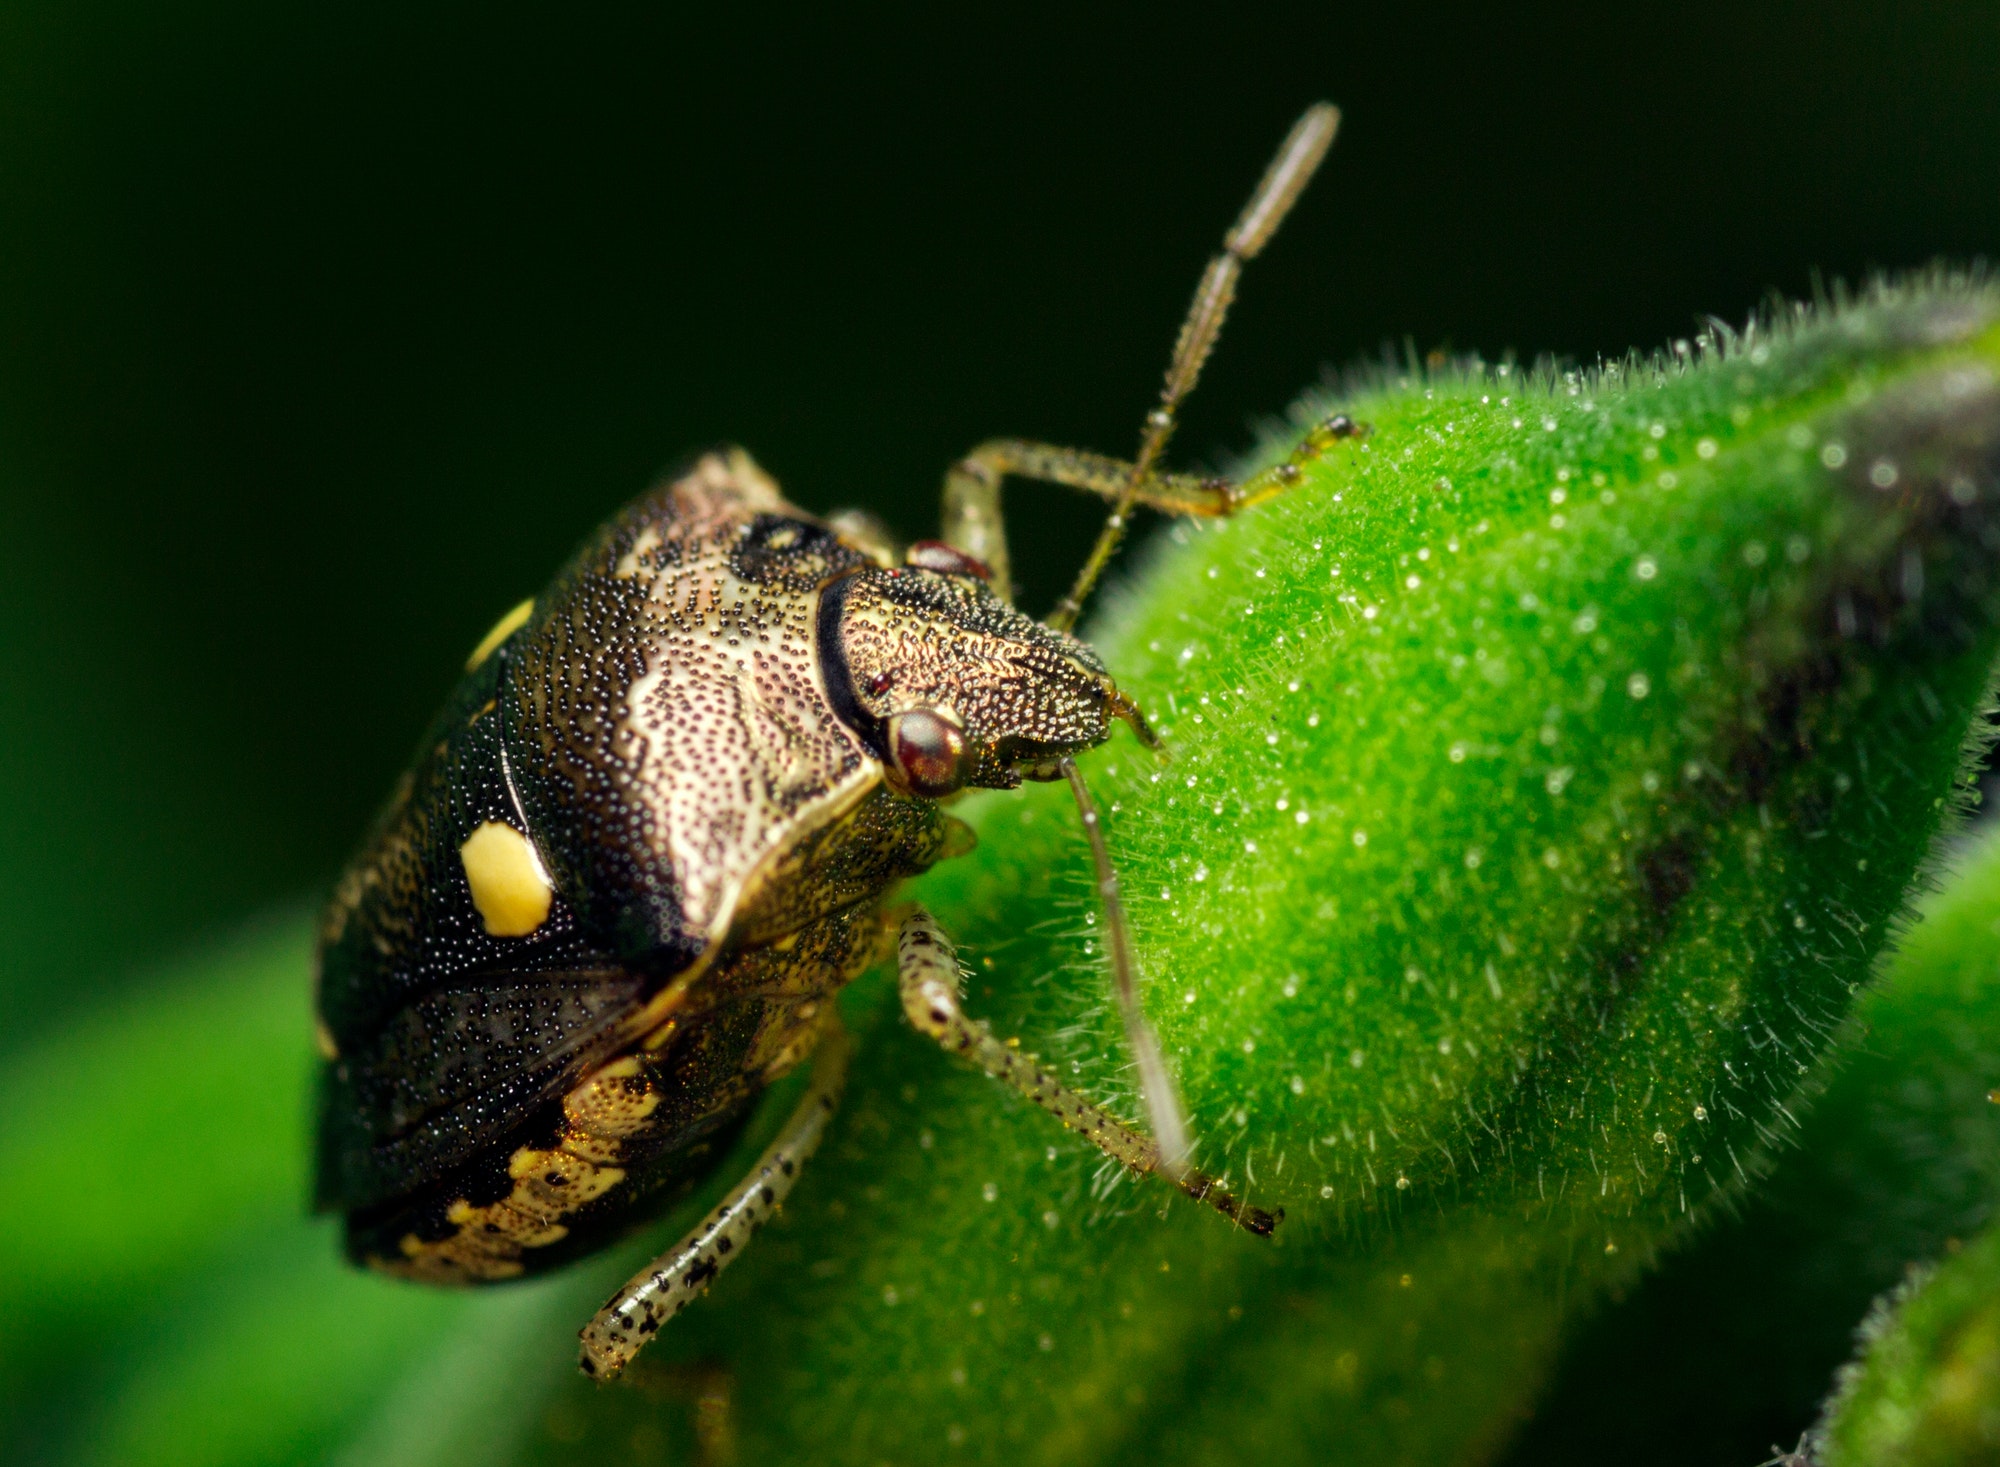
(447, 1037)
(453, 1072)
(703, 1094)
(402, 922)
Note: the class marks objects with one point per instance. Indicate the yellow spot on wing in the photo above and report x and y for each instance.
(502, 630)
(509, 886)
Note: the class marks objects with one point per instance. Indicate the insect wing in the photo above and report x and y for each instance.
(445, 1036)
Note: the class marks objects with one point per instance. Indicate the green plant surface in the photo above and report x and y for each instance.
(1550, 769)
(1730, 1348)
(1926, 1390)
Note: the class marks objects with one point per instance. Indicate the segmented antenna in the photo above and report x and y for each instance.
(1297, 159)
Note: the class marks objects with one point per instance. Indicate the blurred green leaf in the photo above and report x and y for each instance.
(1549, 770)
(1731, 1348)
(1926, 1390)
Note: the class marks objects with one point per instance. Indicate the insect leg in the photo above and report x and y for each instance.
(972, 517)
(927, 967)
(673, 1280)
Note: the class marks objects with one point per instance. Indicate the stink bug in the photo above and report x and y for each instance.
(649, 837)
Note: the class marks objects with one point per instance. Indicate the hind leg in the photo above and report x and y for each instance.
(677, 1277)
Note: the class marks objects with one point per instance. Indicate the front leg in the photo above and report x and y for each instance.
(927, 970)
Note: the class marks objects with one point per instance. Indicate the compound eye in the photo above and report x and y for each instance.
(929, 753)
(935, 555)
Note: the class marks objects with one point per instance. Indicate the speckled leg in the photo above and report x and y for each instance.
(972, 517)
(927, 967)
(677, 1277)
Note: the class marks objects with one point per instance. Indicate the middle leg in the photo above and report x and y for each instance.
(927, 969)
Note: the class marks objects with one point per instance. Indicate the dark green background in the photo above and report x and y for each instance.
(328, 330)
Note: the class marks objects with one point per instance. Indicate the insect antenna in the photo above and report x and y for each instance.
(1297, 159)
(1163, 1102)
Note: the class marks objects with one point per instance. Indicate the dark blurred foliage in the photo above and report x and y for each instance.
(328, 330)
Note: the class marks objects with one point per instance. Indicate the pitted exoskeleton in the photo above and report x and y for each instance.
(650, 837)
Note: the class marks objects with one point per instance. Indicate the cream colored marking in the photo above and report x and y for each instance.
(502, 630)
(633, 562)
(323, 1041)
(605, 1108)
(774, 748)
(509, 886)
(657, 1039)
